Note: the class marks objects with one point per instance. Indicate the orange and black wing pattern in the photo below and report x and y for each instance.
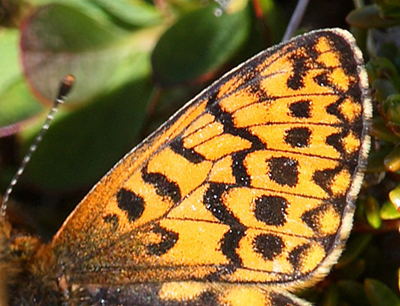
(241, 197)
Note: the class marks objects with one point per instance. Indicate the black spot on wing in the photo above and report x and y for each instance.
(302, 59)
(297, 254)
(345, 52)
(283, 171)
(296, 81)
(164, 186)
(168, 240)
(268, 245)
(239, 169)
(298, 137)
(131, 203)
(312, 217)
(272, 210)
(323, 80)
(334, 140)
(230, 242)
(327, 242)
(113, 220)
(213, 202)
(300, 109)
(282, 300)
(226, 119)
(190, 154)
(229, 127)
(324, 178)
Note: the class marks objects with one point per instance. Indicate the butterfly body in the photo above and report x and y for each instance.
(246, 194)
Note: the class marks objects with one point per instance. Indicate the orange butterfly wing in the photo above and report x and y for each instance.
(246, 192)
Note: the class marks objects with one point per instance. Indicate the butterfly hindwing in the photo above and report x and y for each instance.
(183, 294)
(251, 183)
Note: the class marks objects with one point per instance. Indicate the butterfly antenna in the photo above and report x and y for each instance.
(65, 88)
(295, 20)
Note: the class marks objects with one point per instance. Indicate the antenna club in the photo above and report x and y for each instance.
(66, 86)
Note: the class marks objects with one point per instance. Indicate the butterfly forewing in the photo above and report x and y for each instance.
(252, 182)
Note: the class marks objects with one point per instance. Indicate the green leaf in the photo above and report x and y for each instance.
(390, 9)
(388, 211)
(391, 114)
(379, 129)
(372, 212)
(392, 160)
(198, 43)
(378, 294)
(16, 102)
(17, 105)
(383, 68)
(383, 89)
(9, 58)
(82, 145)
(394, 196)
(133, 13)
(102, 59)
(375, 163)
(388, 2)
(369, 16)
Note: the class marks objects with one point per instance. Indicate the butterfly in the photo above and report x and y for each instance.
(243, 196)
